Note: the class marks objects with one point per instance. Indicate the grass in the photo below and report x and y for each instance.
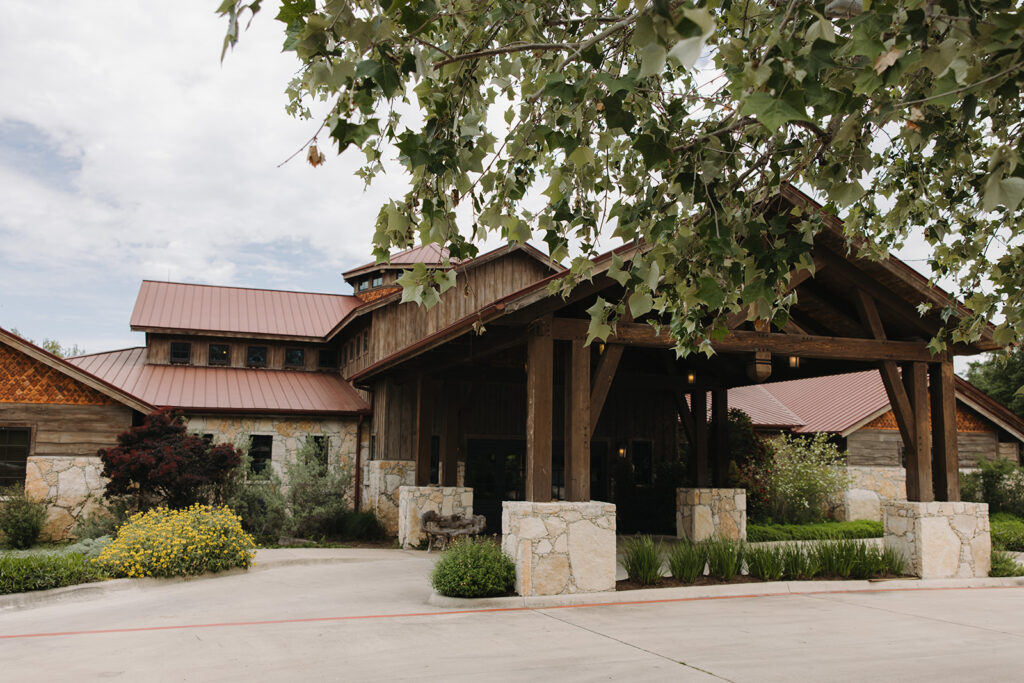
(1007, 532)
(821, 531)
(1004, 565)
(725, 558)
(641, 558)
(686, 561)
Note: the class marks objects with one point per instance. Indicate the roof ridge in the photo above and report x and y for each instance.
(104, 353)
(251, 289)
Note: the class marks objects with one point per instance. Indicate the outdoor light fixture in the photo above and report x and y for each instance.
(794, 361)
(691, 377)
(622, 451)
(600, 347)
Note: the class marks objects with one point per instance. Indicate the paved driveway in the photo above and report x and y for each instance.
(366, 617)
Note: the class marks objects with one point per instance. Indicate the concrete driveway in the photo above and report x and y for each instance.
(359, 615)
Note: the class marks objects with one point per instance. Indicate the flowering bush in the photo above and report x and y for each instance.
(163, 542)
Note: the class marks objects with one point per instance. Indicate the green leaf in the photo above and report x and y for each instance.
(599, 327)
(1007, 192)
(822, 29)
(640, 303)
(616, 272)
(845, 194)
(710, 293)
(652, 60)
(772, 113)
(582, 156)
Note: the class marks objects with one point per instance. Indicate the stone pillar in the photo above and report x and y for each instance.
(703, 513)
(413, 501)
(558, 548)
(384, 478)
(940, 540)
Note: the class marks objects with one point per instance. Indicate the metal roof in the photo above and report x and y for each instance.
(235, 310)
(833, 403)
(763, 409)
(241, 390)
(430, 254)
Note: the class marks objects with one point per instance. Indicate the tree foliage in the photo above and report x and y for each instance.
(676, 123)
(1001, 376)
(160, 463)
(53, 346)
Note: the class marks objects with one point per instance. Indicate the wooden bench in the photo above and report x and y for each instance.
(441, 530)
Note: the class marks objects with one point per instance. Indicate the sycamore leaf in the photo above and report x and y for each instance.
(772, 113)
(599, 327)
(582, 156)
(616, 272)
(1002, 191)
(652, 60)
(887, 59)
(845, 194)
(445, 279)
(822, 29)
(640, 303)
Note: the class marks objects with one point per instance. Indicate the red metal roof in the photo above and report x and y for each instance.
(430, 254)
(224, 389)
(833, 403)
(206, 308)
(762, 407)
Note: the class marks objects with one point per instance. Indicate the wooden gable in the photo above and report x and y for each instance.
(24, 379)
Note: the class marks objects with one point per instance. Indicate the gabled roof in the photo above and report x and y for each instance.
(231, 390)
(763, 409)
(267, 313)
(429, 254)
(76, 373)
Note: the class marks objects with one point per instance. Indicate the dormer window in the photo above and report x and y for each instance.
(256, 357)
(294, 358)
(328, 359)
(364, 285)
(378, 280)
(220, 354)
(181, 353)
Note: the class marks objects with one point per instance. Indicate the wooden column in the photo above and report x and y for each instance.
(603, 377)
(567, 418)
(424, 424)
(720, 435)
(699, 447)
(919, 451)
(945, 459)
(450, 437)
(539, 388)
(577, 453)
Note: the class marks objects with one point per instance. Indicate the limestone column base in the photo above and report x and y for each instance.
(940, 540)
(413, 501)
(384, 478)
(703, 513)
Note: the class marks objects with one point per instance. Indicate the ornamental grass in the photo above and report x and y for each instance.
(163, 542)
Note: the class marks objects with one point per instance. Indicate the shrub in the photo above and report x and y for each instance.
(765, 563)
(363, 526)
(104, 520)
(164, 542)
(867, 561)
(257, 498)
(798, 565)
(725, 557)
(686, 561)
(1007, 532)
(160, 463)
(43, 571)
(837, 558)
(21, 518)
(803, 474)
(317, 494)
(641, 558)
(1004, 565)
(861, 528)
(1000, 483)
(893, 562)
(474, 569)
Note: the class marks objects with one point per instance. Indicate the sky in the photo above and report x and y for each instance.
(128, 151)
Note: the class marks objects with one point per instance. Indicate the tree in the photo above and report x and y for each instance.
(53, 346)
(1001, 376)
(160, 463)
(677, 123)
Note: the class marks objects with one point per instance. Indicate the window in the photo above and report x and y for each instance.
(181, 353)
(220, 354)
(328, 359)
(256, 357)
(364, 285)
(378, 280)
(260, 451)
(294, 358)
(13, 455)
(366, 341)
(321, 444)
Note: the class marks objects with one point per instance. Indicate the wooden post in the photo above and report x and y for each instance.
(567, 426)
(720, 435)
(539, 389)
(945, 460)
(450, 438)
(919, 451)
(603, 377)
(577, 454)
(424, 423)
(699, 449)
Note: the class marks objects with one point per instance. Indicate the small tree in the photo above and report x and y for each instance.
(161, 463)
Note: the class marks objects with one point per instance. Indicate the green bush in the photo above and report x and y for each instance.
(19, 574)
(835, 558)
(362, 526)
(1004, 565)
(641, 558)
(316, 494)
(474, 569)
(257, 498)
(765, 563)
(103, 520)
(21, 518)
(1007, 532)
(686, 561)
(893, 562)
(822, 531)
(798, 565)
(1000, 483)
(163, 542)
(725, 557)
(805, 473)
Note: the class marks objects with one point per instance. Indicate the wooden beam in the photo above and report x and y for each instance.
(578, 452)
(539, 389)
(424, 423)
(450, 437)
(699, 450)
(683, 409)
(820, 309)
(919, 455)
(720, 435)
(603, 376)
(945, 459)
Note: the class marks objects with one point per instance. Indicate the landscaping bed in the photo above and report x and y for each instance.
(821, 531)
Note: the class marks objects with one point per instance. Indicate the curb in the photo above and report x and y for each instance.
(736, 590)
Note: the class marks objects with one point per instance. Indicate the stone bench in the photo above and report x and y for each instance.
(441, 530)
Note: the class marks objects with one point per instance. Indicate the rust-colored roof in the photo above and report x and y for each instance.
(833, 403)
(236, 310)
(241, 390)
(430, 254)
(763, 409)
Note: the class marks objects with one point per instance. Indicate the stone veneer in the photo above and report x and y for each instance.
(384, 479)
(940, 540)
(72, 485)
(413, 501)
(890, 483)
(703, 513)
(561, 547)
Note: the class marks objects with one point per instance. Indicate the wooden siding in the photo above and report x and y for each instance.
(967, 420)
(26, 380)
(158, 351)
(881, 447)
(76, 430)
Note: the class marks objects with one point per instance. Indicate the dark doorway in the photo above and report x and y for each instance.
(495, 471)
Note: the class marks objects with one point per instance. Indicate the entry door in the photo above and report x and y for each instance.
(495, 471)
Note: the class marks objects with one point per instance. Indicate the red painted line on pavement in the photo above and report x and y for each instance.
(485, 610)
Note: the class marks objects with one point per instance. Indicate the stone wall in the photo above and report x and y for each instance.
(413, 501)
(703, 513)
(940, 540)
(72, 485)
(560, 547)
(384, 478)
(890, 483)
